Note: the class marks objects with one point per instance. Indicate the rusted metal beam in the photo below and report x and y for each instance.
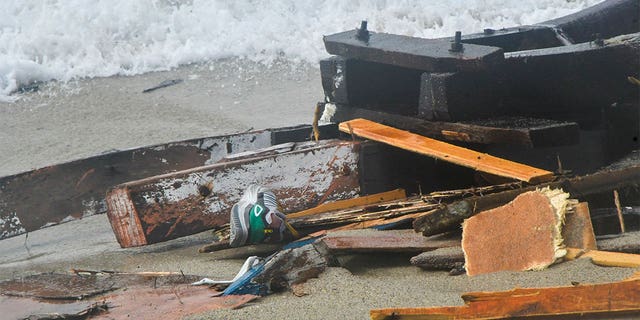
(186, 202)
(72, 190)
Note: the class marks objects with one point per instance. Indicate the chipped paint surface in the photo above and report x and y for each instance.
(173, 205)
(76, 189)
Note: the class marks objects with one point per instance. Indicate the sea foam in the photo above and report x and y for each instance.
(41, 40)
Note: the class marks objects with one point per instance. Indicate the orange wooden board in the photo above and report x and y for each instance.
(444, 151)
(590, 299)
(350, 203)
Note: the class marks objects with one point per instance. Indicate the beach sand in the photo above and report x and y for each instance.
(62, 122)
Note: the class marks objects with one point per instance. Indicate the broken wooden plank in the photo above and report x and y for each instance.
(606, 299)
(524, 234)
(182, 203)
(413, 53)
(577, 231)
(366, 241)
(451, 215)
(606, 258)
(444, 151)
(349, 203)
(529, 132)
(69, 191)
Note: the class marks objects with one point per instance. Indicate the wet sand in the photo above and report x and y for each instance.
(63, 122)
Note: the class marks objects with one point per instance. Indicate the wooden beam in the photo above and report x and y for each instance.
(382, 241)
(412, 53)
(444, 151)
(349, 203)
(186, 202)
(606, 299)
(533, 133)
(606, 258)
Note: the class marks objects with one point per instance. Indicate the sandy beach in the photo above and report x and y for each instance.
(62, 122)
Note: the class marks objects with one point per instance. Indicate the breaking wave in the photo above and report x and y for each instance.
(41, 40)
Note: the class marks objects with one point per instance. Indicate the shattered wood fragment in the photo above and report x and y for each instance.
(385, 210)
(440, 259)
(451, 215)
(606, 258)
(348, 242)
(578, 231)
(173, 205)
(524, 234)
(349, 203)
(606, 300)
(444, 151)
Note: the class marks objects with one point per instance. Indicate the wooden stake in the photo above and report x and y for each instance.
(349, 203)
(616, 199)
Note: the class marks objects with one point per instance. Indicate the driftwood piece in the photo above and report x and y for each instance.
(524, 234)
(444, 151)
(440, 259)
(186, 202)
(452, 215)
(606, 299)
(382, 241)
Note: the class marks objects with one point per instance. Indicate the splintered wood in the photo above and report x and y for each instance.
(444, 151)
(606, 299)
(523, 235)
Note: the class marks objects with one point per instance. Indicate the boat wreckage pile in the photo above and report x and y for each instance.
(414, 144)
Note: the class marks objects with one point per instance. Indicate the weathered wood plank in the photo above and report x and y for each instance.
(444, 151)
(609, 299)
(182, 203)
(578, 231)
(410, 52)
(348, 242)
(440, 259)
(76, 189)
(349, 203)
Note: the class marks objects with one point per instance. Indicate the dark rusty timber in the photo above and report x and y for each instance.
(72, 190)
